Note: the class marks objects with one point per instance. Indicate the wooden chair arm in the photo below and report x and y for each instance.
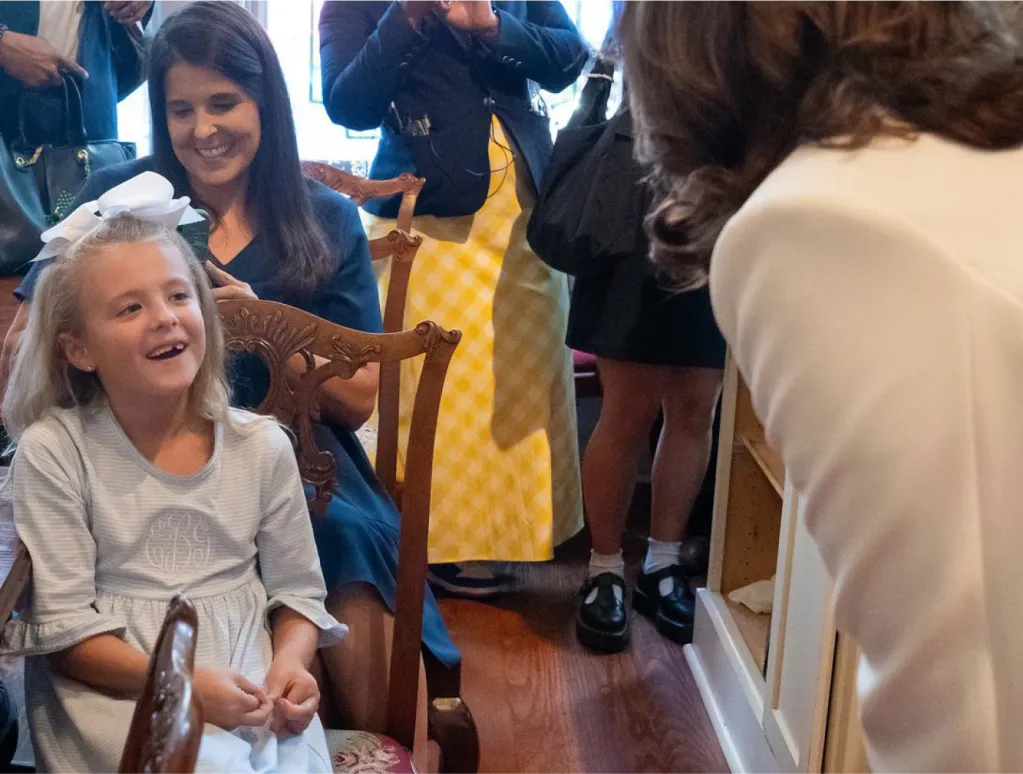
(166, 727)
(15, 583)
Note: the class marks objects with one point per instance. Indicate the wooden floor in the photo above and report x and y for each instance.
(544, 704)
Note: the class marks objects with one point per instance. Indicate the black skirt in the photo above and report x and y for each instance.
(626, 313)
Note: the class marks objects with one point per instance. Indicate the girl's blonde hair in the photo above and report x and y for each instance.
(42, 378)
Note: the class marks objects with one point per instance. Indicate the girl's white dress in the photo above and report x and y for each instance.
(112, 539)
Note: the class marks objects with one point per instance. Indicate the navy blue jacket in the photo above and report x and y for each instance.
(107, 53)
(371, 58)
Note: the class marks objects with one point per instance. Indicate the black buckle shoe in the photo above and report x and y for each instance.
(673, 614)
(603, 624)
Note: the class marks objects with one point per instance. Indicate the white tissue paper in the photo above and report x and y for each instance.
(758, 596)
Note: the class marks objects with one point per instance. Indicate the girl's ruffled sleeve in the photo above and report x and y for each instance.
(51, 519)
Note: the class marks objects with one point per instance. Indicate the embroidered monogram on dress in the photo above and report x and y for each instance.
(178, 541)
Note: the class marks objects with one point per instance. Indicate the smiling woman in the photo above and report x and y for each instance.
(216, 91)
(213, 127)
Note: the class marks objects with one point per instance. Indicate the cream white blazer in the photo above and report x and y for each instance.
(873, 301)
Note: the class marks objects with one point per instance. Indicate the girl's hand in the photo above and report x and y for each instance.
(229, 700)
(417, 10)
(34, 62)
(295, 696)
(227, 286)
(127, 12)
(469, 15)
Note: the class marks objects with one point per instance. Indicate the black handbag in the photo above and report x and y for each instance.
(589, 211)
(38, 184)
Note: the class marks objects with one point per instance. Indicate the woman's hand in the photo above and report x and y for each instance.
(127, 12)
(229, 700)
(34, 62)
(294, 693)
(227, 287)
(469, 15)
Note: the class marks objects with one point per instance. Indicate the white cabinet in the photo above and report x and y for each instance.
(779, 686)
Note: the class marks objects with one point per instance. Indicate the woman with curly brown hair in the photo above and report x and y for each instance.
(847, 174)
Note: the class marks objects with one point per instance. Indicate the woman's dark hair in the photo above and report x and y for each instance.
(722, 92)
(224, 37)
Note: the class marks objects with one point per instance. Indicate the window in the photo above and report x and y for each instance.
(591, 18)
(133, 120)
(293, 30)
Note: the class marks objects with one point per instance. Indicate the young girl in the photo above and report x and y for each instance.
(134, 480)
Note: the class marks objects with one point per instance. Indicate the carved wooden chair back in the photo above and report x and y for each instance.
(401, 246)
(277, 333)
(360, 189)
(166, 728)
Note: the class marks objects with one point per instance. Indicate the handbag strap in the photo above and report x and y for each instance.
(603, 73)
(594, 97)
(74, 118)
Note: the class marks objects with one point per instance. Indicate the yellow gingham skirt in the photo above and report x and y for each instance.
(506, 481)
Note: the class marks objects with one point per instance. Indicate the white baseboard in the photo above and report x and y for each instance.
(717, 720)
(726, 694)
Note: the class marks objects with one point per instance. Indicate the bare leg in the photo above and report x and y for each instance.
(358, 667)
(632, 397)
(683, 450)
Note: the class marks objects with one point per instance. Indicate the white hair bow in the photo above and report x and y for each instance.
(147, 196)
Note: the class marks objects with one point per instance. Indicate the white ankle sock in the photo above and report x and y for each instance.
(660, 555)
(601, 563)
